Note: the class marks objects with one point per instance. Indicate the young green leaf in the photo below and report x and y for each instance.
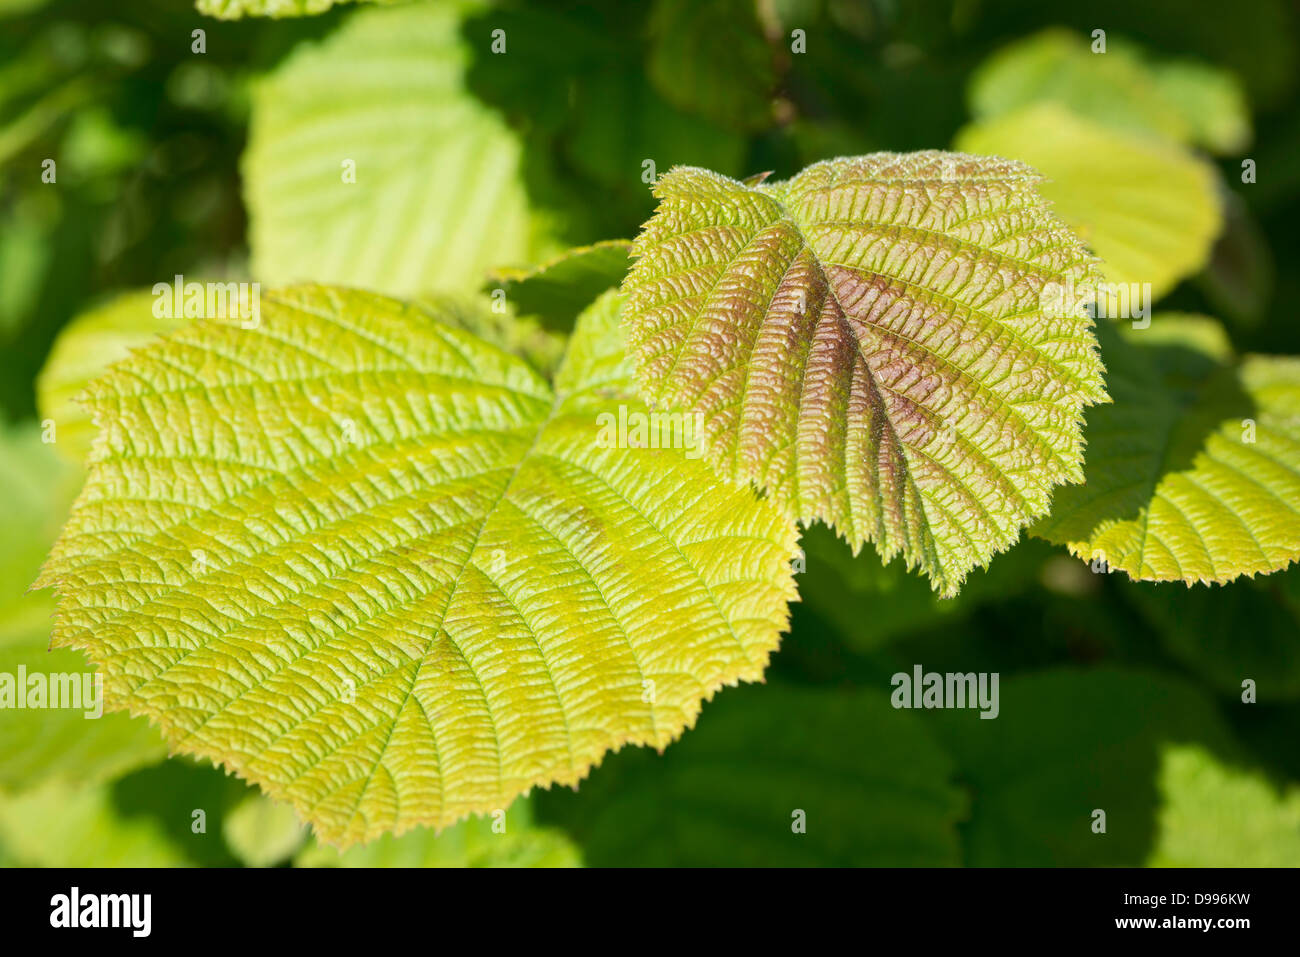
(261, 832)
(61, 825)
(389, 573)
(67, 744)
(541, 348)
(1187, 102)
(1147, 207)
(369, 163)
(1193, 473)
(1215, 815)
(873, 342)
(562, 287)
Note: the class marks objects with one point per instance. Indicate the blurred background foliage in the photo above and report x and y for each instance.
(472, 166)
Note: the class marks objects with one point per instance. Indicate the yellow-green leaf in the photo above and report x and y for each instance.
(1186, 101)
(1211, 102)
(369, 162)
(1215, 815)
(261, 832)
(1193, 474)
(1147, 207)
(391, 574)
(83, 350)
(872, 343)
(525, 337)
(59, 825)
(69, 744)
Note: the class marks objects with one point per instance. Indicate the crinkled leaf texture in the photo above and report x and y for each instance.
(1193, 473)
(877, 343)
(389, 573)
